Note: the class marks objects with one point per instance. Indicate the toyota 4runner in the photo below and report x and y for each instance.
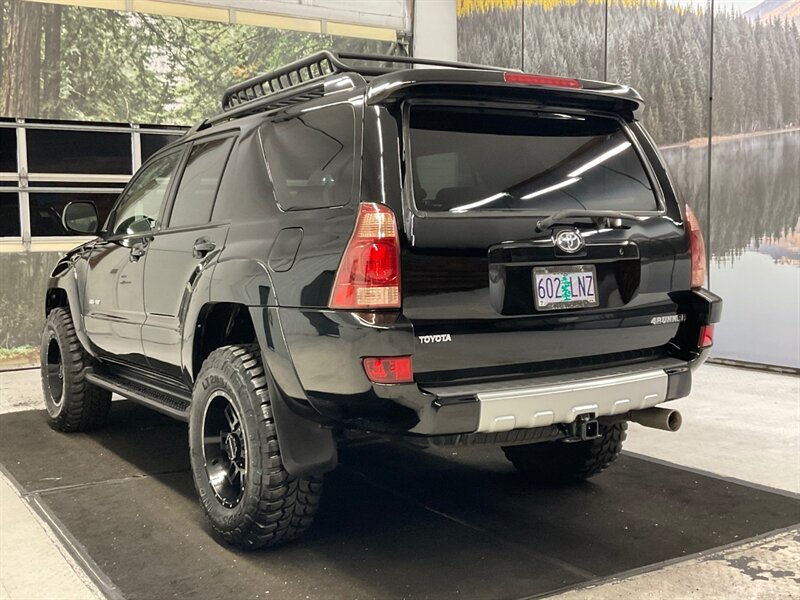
(357, 248)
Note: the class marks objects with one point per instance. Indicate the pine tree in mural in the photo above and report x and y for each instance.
(21, 58)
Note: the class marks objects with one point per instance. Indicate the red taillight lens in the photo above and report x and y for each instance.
(369, 274)
(391, 369)
(532, 79)
(698, 248)
(706, 336)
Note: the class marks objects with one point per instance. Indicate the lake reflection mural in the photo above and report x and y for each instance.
(755, 243)
(747, 196)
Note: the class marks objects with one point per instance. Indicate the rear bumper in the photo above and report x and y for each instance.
(545, 401)
(325, 349)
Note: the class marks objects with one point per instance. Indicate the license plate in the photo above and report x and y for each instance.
(557, 288)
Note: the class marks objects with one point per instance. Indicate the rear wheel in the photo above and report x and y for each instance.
(249, 498)
(73, 404)
(558, 463)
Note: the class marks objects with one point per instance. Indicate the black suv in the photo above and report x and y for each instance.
(354, 248)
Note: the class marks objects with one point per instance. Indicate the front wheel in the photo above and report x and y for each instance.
(249, 498)
(558, 463)
(73, 404)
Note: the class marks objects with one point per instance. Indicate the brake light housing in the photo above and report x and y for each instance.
(389, 369)
(546, 80)
(369, 272)
(698, 249)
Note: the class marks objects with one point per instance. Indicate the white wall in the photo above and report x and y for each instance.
(435, 29)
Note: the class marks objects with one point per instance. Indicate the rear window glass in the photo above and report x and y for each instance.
(475, 159)
(311, 157)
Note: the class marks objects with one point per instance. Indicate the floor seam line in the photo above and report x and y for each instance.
(89, 484)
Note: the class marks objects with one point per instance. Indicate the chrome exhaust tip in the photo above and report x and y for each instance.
(666, 419)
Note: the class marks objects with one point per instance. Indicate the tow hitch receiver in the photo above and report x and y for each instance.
(585, 427)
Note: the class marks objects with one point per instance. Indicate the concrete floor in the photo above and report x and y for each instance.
(767, 569)
(738, 424)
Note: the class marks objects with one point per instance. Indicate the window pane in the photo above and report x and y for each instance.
(144, 198)
(470, 159)
(311, 158)
(9, 215)
(198, 188)
(8, 150)
(59, 151)
(47, 208)
(153, 142)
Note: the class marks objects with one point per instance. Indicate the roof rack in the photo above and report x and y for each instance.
(296, 76)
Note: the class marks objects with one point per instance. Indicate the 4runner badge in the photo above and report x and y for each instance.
(569, 241)
(435, 339)
(667, 319)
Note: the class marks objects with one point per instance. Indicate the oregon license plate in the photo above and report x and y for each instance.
(562, 287)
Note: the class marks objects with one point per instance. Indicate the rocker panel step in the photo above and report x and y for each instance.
(175, 404)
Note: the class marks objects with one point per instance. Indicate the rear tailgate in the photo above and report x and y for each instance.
(490, 296)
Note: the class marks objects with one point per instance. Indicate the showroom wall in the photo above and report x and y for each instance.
(736, 158)
(110, 69)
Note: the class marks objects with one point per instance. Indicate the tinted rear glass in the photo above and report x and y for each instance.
(311, 157)
(473, 159)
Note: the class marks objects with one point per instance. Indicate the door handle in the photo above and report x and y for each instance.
(202, 247)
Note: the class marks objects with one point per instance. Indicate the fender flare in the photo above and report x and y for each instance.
(65, 277)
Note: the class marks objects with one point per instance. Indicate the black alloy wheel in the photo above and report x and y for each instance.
(224, 450)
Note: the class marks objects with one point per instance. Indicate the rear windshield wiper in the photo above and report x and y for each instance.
(580, 212)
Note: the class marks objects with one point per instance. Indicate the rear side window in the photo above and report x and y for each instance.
(482, 159)
(310, 157)
(194, 200)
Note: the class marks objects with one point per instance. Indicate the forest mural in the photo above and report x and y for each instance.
(660, 49)
(735, 158)
(65, 62)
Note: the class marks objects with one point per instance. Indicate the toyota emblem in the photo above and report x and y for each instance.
(569, 241)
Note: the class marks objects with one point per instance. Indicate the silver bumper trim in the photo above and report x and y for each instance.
(549, 403)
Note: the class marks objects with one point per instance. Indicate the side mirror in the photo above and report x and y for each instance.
(80, 217)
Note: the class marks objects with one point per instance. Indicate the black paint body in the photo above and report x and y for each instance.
(268, 277)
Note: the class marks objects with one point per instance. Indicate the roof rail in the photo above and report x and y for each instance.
(320, 65)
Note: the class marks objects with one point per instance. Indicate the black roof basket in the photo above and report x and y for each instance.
(296, 76)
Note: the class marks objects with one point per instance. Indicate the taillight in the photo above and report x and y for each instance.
(390, 369)
(533, 79)
(369, 274)
(706, 339)
(698, 249)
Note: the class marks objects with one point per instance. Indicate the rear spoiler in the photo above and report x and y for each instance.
(493, 85)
